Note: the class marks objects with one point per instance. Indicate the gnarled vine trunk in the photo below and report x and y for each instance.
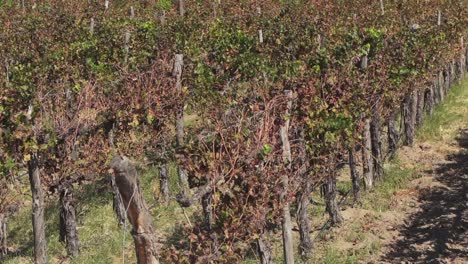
(392, 134)
(264, 250)
(164, 183)
(429, 101)
(376, 144)
(207, 205)
(419, 108)
(126, 179)
(68, 231)
(329, 191)
(306, 244)
(354, 174)
(409, 118)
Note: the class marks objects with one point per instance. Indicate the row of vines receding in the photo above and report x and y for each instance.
(258, 103)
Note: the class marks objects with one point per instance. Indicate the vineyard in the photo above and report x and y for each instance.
(211, 127)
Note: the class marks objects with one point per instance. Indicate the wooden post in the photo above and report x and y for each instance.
(40, 252)
(287, 159)
(319, 42)
(127, 46)
(367, 163)
(91, 26)
(364, 61)
(216, 4)
(7, 73)
(126, 179)
(182, 7)
(260, 31)
(177, 73)
(439, 17)
(442, 86)
(106, 4)
(382, 7)
(132, 12)
(462, 59)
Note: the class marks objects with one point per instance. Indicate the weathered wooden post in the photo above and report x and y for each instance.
(287, 159)
(260, 31)
(7, 73)
(40, 244)
(367, 161)
(182, 7)
(127, 46)
(441, 86)
(91, 26)
(439, 18)
(132, 12)
(126, 179)
(462, 59)
(177, 73)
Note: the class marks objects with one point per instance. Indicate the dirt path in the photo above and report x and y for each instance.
(436, 230)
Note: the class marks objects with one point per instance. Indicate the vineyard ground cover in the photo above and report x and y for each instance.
(402, 219)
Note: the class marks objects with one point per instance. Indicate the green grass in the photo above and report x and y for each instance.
(452, 112)
(396, 177)
(101, 239)
(355, 256)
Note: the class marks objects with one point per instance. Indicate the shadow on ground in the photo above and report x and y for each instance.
(439, 232)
